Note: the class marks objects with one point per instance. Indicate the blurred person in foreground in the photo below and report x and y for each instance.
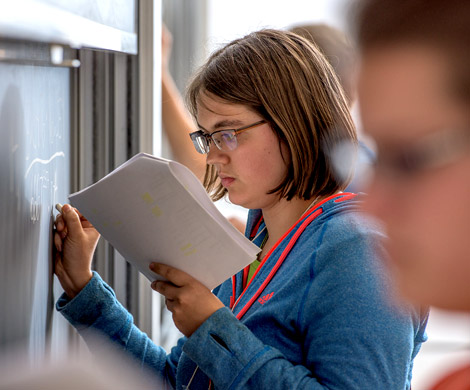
(414, 92)
(75, 368)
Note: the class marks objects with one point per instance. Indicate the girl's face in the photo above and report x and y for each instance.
(256, 166)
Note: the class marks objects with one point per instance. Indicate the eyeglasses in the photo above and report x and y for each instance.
(224, 139)
(433, 151)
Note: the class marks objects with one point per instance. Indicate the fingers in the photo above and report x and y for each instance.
(72, 220)
(60, 226)
(60, 232)
(168, 290)
(57, 263)
(58, 241)
(80, 215)
(173, 275)
(59, 223)
(170, 304)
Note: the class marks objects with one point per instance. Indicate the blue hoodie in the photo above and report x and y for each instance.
(316, 315)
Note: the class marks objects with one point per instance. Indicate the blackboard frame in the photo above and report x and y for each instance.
(56, 21)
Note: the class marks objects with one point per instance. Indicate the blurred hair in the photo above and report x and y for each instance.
(287, 81)
(443, 25)
(338, 50)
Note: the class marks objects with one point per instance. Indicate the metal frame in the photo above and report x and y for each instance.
(46, 22)
(118, 116)
(37, 53)
(149, 76)
(107, 135)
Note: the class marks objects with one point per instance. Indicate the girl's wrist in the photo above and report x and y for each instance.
(79, 285)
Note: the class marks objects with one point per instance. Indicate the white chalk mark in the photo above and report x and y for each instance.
(44, 162)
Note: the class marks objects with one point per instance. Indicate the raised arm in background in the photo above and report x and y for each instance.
(177, 123)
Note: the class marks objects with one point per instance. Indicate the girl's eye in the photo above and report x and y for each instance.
(230, 139)
(228, 136)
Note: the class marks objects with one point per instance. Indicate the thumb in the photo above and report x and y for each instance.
(72, 221)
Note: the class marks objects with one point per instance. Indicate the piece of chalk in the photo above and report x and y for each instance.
(58, 207)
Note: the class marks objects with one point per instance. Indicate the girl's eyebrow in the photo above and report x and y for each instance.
(228, 123)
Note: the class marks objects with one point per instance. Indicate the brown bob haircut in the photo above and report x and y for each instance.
(288, 82)
(438, 24)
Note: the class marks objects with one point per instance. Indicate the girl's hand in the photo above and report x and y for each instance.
(75, 240)
(190, 302)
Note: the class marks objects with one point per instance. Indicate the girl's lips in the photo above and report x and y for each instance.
(226, 181)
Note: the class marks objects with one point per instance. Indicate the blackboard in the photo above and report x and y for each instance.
(34, 175)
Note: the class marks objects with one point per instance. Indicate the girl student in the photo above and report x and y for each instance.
(311, 312)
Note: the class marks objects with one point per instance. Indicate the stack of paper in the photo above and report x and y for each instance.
(155, 210)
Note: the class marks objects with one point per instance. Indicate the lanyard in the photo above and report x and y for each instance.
(311, 215)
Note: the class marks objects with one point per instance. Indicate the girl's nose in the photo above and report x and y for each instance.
(216, 156)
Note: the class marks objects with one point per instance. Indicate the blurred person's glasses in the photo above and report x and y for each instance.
(430, 152)
(225, 140)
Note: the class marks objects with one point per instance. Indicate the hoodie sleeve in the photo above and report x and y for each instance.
(99, 318)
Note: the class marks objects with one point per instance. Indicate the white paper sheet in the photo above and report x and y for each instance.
(153, 209)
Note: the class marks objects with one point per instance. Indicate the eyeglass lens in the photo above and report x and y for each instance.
(201, 143)
(224, 140)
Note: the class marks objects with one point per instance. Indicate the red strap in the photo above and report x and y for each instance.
(255, 228)
(279, 262)
(346, 196)
(311, 215)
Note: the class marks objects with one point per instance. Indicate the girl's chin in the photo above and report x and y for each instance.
(234, 199)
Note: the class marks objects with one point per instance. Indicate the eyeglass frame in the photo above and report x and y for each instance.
(432, 151)
(209, 137)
